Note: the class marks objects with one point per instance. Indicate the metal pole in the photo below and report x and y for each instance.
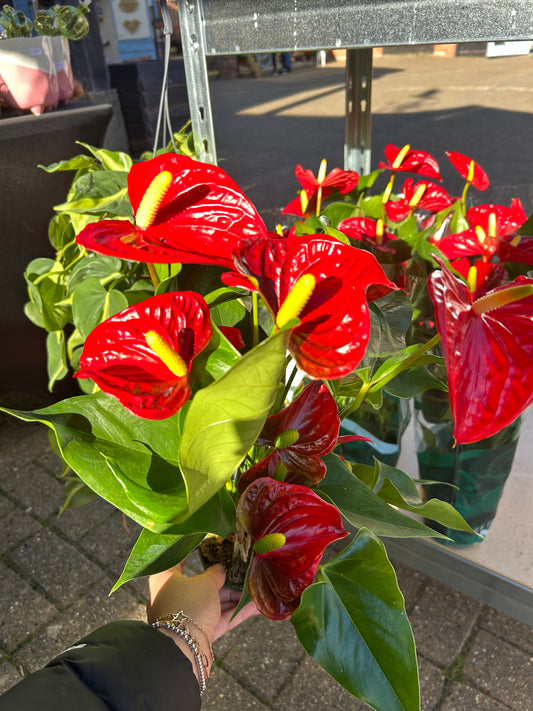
(193, 43)
(357, 141)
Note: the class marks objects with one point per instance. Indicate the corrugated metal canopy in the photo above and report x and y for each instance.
(238, 26)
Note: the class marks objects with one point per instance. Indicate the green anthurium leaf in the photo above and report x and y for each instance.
(228, 313)
(56, 356)
(92, 304)
(353, 623)
(159, 503)
(332, 232)
(33, 313)
(110, 160)
(401, 361)
(365, 182)
(76, 494)
(166, 274)
(458, 222)
(81, 162)
(245, 597)
(60, 231)
(363, 508)
(92, 430)
(215, 360)
(367, 474)
(225, 419)
(47, 293)
(413, 382)
(103, 191)
(398, 489)
(338, 211)
(527, 227)
(99, 266)
(372, 207)
(155, 552)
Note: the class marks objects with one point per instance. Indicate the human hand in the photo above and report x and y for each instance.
(203, 598)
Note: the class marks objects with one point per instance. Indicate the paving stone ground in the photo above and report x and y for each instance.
(56, 572)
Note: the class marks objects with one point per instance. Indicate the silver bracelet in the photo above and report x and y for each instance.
(180, 629)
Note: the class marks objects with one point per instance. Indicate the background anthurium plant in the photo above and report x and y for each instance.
(218, 360)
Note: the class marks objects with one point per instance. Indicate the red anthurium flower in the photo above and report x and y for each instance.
(488, 344)
(423, 195)
(289, 527)
(492, 229)
(233, 335)
(323, 283)
(185, 211)
(304, 431)
(372, 232)
(406, 160)
(480, 276)
(471, 171)
(319, 188)
(143, 355)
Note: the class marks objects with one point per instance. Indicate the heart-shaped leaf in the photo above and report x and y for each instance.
(353, 623)
(226, 417)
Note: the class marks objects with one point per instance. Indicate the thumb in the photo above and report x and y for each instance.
(218, 574)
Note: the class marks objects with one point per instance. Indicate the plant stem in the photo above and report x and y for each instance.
(404, 365)
(153, 275)
(255, 319)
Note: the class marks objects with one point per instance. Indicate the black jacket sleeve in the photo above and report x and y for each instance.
(123, 666)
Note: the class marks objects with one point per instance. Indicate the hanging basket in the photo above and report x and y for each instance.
(472, 475)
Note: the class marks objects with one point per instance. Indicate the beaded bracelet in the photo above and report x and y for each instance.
(175, 622)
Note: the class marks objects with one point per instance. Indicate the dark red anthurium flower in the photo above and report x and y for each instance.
(372, 232)
(492, 229)
(481, 276)
(289, 527)
(143, 355)
(301, 434)
(423, 195)
(488, 345)
(323, 283)
(468, 169)
(406, 160)
(185, 211)
(233, 335)
(344, 181)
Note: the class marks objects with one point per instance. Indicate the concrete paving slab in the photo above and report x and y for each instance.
(22, 609)
(504, 671)
(55, 566)
(465, 698)
(261, 650)
(508, 629)
(442, 620)
(224, 692)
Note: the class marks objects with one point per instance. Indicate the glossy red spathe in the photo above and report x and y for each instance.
(198, 216)
(344, 181)
(334, 324)
(471, 171)
(423, 195)
(488, 353)
(410, 161)
(307, 525)
(119, 359)
(301, 434)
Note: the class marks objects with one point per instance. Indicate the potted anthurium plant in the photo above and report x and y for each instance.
(218, 360)
(466, 269)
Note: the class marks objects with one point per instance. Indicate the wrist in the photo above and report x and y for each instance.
(177, 627)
